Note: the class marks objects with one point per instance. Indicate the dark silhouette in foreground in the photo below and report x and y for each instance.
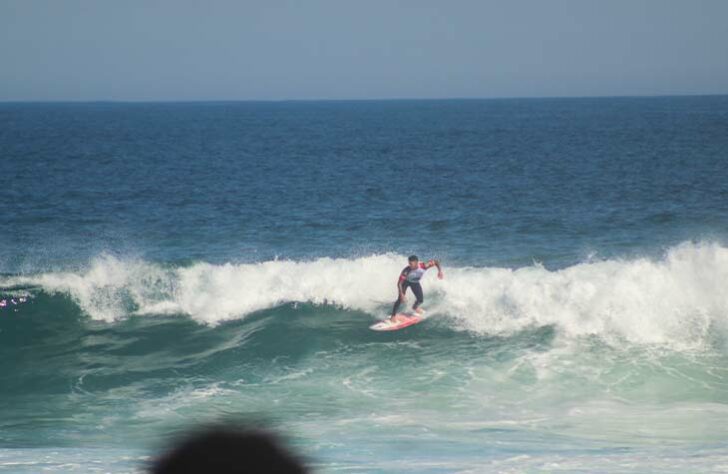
(223, 450)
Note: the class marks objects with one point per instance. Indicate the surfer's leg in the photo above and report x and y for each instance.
(397, 302)
(395, 307)
(417, 290)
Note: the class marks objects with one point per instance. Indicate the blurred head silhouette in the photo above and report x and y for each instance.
(224, 450)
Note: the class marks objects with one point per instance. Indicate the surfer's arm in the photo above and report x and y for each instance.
(435, 263)
(400, 283)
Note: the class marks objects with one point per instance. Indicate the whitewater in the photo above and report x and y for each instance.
(678, 301)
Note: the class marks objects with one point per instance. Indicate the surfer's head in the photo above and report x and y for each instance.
(413, 261)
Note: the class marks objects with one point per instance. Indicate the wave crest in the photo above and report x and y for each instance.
(677, 299)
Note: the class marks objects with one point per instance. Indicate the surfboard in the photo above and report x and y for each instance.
(400, 321)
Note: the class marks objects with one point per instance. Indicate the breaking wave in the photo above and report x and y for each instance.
(677, 299)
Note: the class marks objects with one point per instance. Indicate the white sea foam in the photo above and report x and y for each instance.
(678, 298)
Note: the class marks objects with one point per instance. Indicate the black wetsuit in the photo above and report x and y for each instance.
(410, 278)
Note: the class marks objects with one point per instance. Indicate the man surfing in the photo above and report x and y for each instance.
(410, 278)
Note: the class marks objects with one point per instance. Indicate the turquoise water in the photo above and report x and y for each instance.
(165, 265)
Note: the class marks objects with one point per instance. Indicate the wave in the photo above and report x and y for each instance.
(678, 299)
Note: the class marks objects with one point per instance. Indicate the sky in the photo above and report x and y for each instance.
(164, 50)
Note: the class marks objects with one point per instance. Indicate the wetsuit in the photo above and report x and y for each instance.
(410, 278)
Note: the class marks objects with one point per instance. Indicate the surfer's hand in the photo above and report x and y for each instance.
(401, 297)
(440, 275)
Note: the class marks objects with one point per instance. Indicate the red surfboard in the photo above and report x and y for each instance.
(399, 321)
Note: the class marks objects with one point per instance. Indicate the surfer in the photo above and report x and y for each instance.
(410, 278)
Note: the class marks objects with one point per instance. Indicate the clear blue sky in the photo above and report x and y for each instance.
(337, 49)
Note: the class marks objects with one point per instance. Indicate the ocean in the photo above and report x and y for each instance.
(167, 265)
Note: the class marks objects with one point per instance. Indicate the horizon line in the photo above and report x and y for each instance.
(374, 99)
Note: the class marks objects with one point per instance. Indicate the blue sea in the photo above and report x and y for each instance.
(166, 265)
